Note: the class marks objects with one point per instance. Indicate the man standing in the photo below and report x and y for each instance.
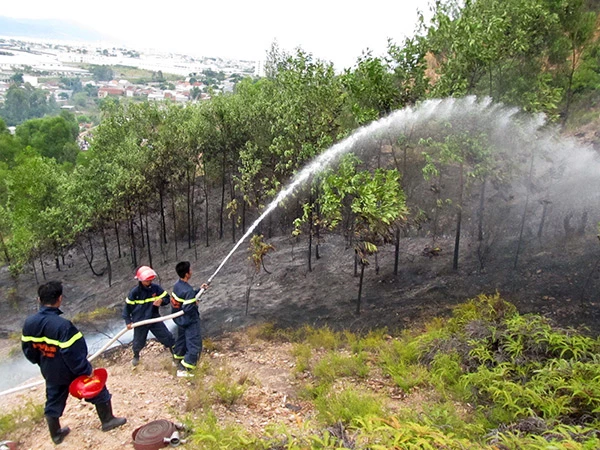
(60, 350)
(142, 304)
(188, 345)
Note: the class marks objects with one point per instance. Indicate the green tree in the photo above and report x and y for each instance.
(23, 103)
(17, 78)
(33, 192)
(52, 137)
(73, 84)
(499, 49)
(102, 73)
(468, 154)
(195, 93)
(375, 200)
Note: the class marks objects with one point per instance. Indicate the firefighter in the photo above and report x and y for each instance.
(142, 304)
(60, 350)
(188, 345)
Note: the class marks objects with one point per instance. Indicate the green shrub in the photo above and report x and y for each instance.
(374, 341)
(22, 418)
(334, 365)
(407, 376)
(209, 435)
(227, 389)
(347, 406)
(302, 353)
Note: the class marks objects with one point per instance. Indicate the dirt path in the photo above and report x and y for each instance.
(152, 391)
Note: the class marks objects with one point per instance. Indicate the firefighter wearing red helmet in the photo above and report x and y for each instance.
(61, 352)
(142, 303)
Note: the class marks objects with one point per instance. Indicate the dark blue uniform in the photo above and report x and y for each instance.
(60, 350)
(189, 336)
(139, 306)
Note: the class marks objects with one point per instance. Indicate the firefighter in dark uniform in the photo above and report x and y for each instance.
(142, 304)
(60, 350)
(188, 345)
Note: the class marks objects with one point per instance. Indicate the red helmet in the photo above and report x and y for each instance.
(145, 273)
(88, 387)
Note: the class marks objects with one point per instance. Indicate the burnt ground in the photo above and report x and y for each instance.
(559, 281)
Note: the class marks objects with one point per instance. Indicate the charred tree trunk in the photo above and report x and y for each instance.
(458, 219)
(132, 243)
(108, 266)
(148, 241)
(540, 232)
(42, 267)
(206, 215)
(360, 287)
(174, 224)
(90, 258)
(524, 218)
(317, 228)
(131, 235)
(189, 209)
(163, 222)
(480, 211)
(223, 187)
(310, 231)
(436, 213)
(193, 210)
(243, 216)
(37, 280)
(118, 238)
(309, 253)
(396, 251)
(248, 289)
(233, 217)
(141, 225)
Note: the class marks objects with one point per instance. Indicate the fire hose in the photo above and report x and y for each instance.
(109, 343)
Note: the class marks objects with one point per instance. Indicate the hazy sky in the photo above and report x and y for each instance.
(332, 30)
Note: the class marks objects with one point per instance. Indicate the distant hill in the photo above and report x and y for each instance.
(48, 29)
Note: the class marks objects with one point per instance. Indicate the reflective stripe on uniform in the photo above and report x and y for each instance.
(145, 300)
(187, 365)
(49, 341)
(185, 302)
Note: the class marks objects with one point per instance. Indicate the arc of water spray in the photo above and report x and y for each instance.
(319, 163)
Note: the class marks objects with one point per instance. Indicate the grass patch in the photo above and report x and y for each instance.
(20, 419)
(208, 434)
(335, 365)
(302, 353)
(348, 406)
(486, 378)
(229, 389)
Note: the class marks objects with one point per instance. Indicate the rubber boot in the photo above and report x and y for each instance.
(105, 414)
(56, 432)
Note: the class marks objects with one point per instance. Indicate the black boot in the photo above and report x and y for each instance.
(56, 432)
(105, 414)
